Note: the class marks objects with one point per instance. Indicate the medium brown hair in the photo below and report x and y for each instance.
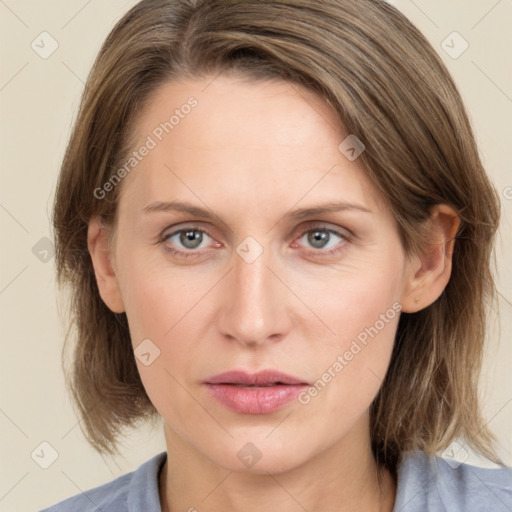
(391, 90)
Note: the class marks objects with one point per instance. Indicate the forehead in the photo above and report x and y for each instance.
(262, 140)
(229, 106)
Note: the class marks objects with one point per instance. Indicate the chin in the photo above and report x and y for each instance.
(257, 455)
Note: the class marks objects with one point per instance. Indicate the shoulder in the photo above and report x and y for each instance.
(429, 482)
(137, 490)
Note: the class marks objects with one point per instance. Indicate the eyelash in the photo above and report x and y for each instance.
(319, 253)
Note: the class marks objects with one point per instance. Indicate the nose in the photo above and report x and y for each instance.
(254, 303)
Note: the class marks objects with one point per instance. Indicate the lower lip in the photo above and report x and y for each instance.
(255, 400)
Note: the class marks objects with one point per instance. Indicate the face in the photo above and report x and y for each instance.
(241, 274)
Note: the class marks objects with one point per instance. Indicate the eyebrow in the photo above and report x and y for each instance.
(300, 213)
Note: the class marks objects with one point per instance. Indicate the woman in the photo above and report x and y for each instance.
(277, 232)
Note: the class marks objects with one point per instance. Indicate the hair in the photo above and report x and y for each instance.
(389, 88)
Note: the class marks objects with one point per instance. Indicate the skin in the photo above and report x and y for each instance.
(251, 153)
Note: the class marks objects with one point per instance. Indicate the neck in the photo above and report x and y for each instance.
(343, 478)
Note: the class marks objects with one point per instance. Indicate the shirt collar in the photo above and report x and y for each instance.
(144, 493)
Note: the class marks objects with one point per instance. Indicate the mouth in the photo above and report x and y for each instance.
(263, 378)
(261, 393)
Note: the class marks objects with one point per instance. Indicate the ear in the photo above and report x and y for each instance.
(429, 271)
(98, 244)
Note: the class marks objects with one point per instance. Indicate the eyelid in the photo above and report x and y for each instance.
(327, 226)
(183, 226)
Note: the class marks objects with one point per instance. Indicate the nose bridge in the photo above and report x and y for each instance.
(254, 310)
(251, 285)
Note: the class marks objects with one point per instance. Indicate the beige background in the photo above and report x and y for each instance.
(39, 98)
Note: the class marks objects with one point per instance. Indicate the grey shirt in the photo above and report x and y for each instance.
(425, 484)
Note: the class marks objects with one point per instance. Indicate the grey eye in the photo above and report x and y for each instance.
(321, 238)
(187, 238)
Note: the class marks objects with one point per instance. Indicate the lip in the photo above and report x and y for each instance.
(261, 378)
(260, 393)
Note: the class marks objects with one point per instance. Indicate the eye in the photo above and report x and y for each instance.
(187, 242)
(187, 238)
(324, 240)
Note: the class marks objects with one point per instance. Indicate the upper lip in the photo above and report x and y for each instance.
(261, 378)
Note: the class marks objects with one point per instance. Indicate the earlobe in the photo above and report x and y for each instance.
(429, 271)
(106, 278)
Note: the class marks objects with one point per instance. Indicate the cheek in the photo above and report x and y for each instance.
(161, 306)
(164, 304)
(363, 294)
(351, 368)
(361, 307)
(157, 297)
